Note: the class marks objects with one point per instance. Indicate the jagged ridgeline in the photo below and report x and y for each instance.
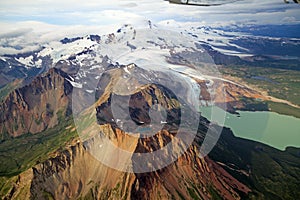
(42, 156)
(35, 107)
(53, 163)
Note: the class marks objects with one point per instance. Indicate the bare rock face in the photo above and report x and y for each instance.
(231, 96)
(74, 173)
(37, 106)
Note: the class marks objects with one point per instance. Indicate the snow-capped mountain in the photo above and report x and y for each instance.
(160, 44)
(87, 71)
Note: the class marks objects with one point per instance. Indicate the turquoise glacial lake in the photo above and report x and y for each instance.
(276, 130)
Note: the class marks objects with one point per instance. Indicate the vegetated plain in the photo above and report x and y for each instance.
(279, 83)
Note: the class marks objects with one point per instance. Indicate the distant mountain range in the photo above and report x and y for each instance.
(43, 157)
(225, 45)
(277, 31)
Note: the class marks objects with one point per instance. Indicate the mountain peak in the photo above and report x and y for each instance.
(37, 106)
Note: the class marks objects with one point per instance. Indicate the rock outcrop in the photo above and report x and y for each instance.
(37, 106)
(74, 172)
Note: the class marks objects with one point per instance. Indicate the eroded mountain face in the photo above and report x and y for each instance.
(37, 106)
(76, 173)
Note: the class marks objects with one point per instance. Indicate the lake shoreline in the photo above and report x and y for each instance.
(270, 128)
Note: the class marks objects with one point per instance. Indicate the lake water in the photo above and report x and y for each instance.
(270, 128)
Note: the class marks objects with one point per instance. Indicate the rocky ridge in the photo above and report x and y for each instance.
(37, 106)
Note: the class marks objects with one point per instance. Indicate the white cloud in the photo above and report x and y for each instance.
(28, 24)
(17, 38)
(100, 12)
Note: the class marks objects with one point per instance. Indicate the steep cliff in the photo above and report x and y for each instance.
(37, 106)
(73, 172)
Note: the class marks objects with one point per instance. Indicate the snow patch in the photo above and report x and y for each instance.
(126, 70)
(72, 79)
(26, 61)
(74, 84)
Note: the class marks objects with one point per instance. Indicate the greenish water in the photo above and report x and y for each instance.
(276, 130)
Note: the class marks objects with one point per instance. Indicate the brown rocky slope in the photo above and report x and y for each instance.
(74, 173)
(37, 106)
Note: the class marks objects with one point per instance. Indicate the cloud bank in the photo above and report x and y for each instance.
(25, 25)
